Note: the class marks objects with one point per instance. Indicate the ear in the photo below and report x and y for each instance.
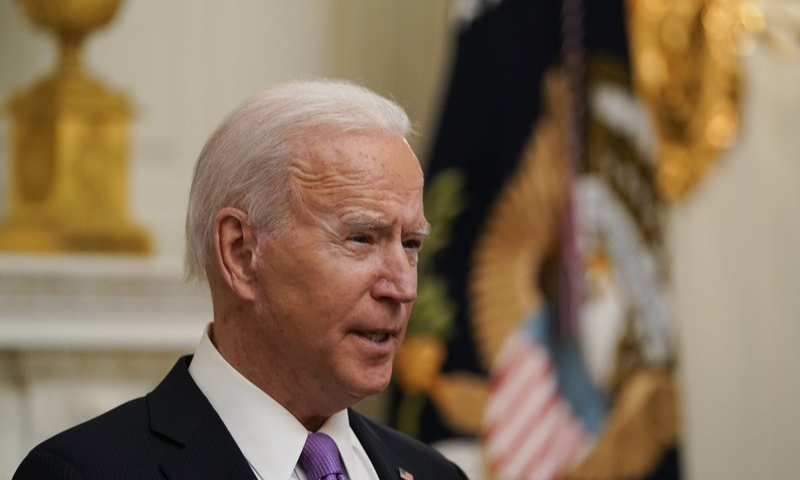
(235, 245)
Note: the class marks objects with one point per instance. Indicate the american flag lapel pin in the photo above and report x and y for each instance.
(405, 475)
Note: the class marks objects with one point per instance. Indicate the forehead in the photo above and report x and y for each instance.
(356, 158)
(354, 151)
(358, 174)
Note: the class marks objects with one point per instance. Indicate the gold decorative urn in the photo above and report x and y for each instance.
(70, 148)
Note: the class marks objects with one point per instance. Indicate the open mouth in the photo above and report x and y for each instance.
(376, 337)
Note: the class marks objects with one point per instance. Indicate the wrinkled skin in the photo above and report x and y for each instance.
(326, 301)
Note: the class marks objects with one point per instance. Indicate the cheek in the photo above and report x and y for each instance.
(312, 288)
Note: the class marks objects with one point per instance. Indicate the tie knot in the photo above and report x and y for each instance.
(320, 458)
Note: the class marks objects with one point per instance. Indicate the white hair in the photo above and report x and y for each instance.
(244, 162)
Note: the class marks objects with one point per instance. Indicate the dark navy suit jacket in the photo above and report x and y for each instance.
(174, 433)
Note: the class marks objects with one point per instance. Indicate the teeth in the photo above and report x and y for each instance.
(376, 337)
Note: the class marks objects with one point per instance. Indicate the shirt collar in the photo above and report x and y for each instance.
(270, 437)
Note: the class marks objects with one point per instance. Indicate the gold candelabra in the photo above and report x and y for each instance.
(70, 148)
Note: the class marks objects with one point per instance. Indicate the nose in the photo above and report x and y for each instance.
(398, 279)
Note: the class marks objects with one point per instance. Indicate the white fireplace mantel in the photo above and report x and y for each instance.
(82, 334)
(98, 302)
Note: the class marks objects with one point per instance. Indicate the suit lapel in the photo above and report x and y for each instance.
(180, 412)
(211, 454)
(387, 465)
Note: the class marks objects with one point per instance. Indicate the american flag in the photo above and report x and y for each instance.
(531, 432)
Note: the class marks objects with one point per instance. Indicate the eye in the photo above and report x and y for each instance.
(412, 244)
(360, 239)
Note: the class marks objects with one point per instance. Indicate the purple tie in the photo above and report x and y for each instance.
(320, 458)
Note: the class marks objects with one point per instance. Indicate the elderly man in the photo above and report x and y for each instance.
(305, 216)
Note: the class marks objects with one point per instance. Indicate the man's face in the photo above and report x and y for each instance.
(336, 288)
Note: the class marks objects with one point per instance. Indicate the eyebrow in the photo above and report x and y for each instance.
(362, 222)
(423, 231)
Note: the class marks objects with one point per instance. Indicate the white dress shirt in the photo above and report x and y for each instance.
(270, 437)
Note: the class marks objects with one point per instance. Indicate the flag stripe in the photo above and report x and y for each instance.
(530, 432)
(527, 430)
(520, 397)
(532, 446)
(550, 459)
(517, 392)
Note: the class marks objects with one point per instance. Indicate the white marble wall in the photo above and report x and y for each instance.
(736, 252)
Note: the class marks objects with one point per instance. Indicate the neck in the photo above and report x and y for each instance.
(235, 347)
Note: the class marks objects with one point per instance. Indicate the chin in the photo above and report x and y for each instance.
(371, 383)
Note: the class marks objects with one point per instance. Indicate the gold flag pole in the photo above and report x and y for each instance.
(70, 148)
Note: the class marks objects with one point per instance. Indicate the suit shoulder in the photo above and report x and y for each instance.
(95, 447)
(113, 426)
